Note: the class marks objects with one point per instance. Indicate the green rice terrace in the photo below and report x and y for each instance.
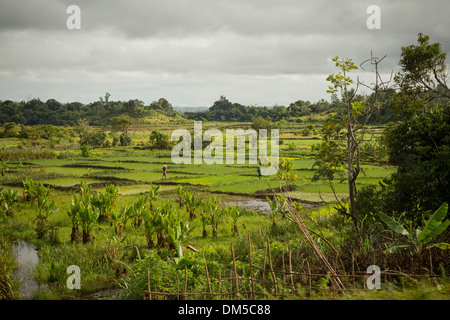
(205, 231)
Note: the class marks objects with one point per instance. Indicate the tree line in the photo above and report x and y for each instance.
(52, 112)
(225, 110)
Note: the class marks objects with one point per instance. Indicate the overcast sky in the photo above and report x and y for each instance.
(254, 52)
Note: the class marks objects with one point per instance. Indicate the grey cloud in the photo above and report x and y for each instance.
(192, 49)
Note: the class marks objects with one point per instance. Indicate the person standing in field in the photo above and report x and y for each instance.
(164, 172)
(259, 172)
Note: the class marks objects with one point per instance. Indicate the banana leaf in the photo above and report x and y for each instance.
(394, 225)
(434, 226)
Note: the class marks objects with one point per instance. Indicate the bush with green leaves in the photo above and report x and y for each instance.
(104, 201)
(192, 203)
(235, 212)
(125, 139)
(46, 208)
(159, 140)
(418, 239)
(7, 199)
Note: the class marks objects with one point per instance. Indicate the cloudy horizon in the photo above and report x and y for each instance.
(191, 52)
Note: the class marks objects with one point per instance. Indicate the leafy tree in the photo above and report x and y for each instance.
(423, 76)
(125, 140)
(420, 144)
(121, 124)
(159, 140)
(343, 133)
(261, 123)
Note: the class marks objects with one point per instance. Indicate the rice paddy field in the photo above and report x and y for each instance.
(115, 264)
(135, 169)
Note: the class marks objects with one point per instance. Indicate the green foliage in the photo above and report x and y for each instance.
(3, 167)
(83, 212)
(85, 150)
(104, 201)
(178, 235)
(420, 148)
(192, 203)
(417, 239)
(235, 212)
(125, 140)
(261, 123)
(286, 171)
(9, 288)
(46, 208)
(180, 193)
(121, 124)
(159, 140)
(422, 77)
(7, 199)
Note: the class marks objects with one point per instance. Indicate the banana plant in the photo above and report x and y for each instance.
(7, 200)
(73, 213)
(152, 194)
(180, 193)
(3, 167)
(178, 235)
(88, 219)
(139, 206)
(150, 223)
(46, 208)
(126, 213)
(205, 219)
(116, 220)
(282, 205)
(32, 189)
(215, 213)
(113, 191)
(4, 209)
(103, 202)
(235, 213)
(86, 195)
(274, 210)
(419, 238)
(192, 202)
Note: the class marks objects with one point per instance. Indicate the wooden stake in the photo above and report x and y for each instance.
(251, 266)
(291, 276)
(309, 279)
(207, 279)
(148, 285)
(235, 273)
(185, 282)
(271, 268)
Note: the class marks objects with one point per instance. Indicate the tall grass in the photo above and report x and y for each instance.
(9, 286)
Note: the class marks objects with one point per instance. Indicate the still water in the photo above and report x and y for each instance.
(27, 258)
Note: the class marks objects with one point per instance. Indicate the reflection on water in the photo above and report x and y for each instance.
(27, 258)
(261, 206)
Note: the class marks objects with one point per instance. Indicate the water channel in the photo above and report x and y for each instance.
(27, 258)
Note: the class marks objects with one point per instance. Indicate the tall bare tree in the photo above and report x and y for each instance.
(343, 135)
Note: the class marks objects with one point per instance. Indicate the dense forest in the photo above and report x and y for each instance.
(52, 112)
(224, 110)
(99, 113)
